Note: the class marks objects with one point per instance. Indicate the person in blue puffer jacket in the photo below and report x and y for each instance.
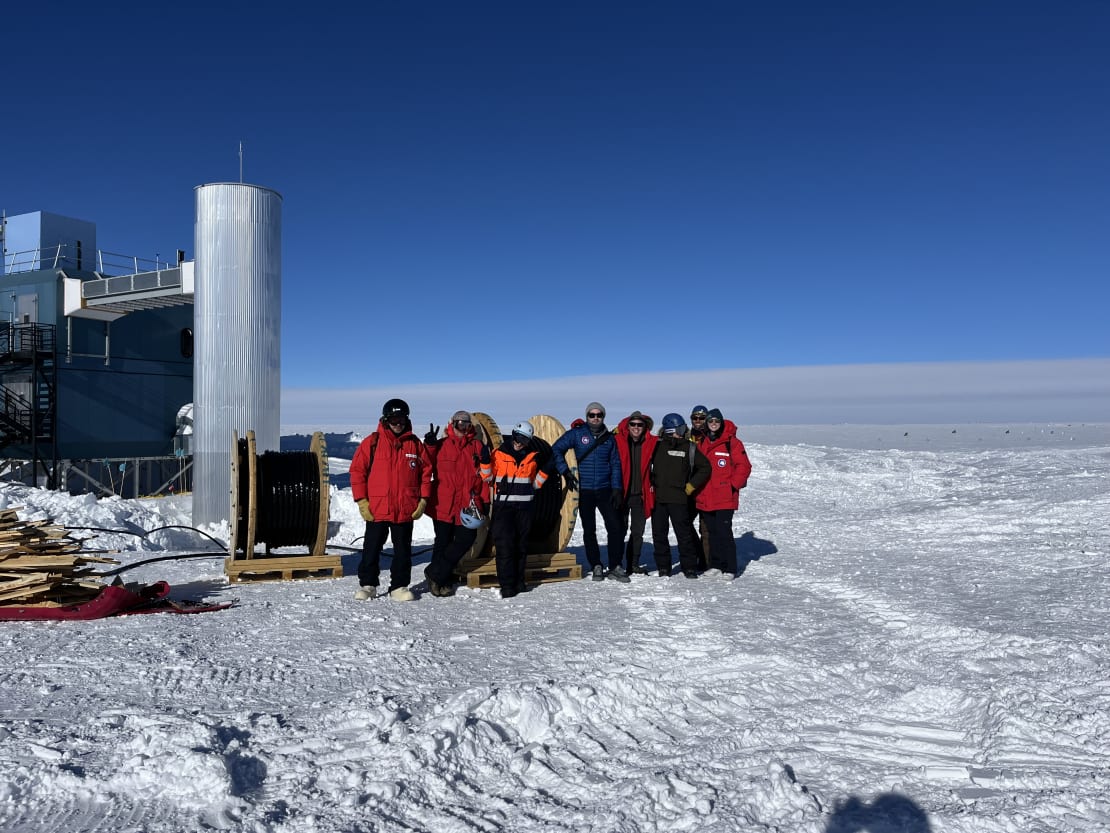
(599, 487)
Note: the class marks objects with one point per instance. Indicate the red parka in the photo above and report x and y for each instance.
(461, 468)
(647, 448)
(393, 472)
(730, 469)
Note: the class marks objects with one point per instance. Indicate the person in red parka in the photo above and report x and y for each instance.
(635, 445)
(391, 481)
(461, 473)
(718, 499)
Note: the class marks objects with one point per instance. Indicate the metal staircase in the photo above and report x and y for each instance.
(29, 393)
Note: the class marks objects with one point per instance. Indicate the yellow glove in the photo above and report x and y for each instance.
(690, 488)
(364, 510)
(419, 509)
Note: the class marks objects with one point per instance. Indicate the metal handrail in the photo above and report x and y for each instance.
(26, 338)
(66, 256)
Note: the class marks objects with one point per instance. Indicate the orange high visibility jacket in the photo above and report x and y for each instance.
(516, 475)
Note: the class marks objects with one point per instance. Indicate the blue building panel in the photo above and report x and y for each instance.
(41, 240)
(113, 413)
(118, 385)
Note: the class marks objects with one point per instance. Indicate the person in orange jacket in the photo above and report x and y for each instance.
(718, 499)
(391, 481)
(460, 494)
(518, 473)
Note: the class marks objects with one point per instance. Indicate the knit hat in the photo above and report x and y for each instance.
(698, 410)
(461, 416)
(714, 413)
(595, 406)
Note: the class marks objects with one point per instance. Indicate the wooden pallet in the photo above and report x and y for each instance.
(283, 569)
(539, 569)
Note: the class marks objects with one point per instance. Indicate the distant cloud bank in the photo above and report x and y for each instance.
(1073, 390)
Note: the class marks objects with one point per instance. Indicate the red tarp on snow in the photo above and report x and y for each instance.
(113, 600)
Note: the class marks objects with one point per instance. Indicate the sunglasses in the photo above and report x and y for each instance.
(636, 425)
(697, 418)
(595, 415)
(519, 438)
(713, 420)
(462, 423)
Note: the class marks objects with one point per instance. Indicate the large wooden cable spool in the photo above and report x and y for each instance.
(278, 499)
(556, 513)
(487, 432)
(556, 509)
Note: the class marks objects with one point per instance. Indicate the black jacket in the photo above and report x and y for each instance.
(673, 466)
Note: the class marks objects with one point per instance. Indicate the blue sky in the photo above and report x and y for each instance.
(488, 191)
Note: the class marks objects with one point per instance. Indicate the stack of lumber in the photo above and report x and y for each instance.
(41, 565)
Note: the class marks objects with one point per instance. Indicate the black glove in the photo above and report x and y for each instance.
(615, 498)
(571, 481)
(430, 437)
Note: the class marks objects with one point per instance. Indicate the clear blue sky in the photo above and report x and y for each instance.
(482, 191)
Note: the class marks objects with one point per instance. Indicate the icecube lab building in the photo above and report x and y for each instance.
(101, 354)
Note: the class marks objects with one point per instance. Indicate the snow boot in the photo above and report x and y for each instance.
(618, 574)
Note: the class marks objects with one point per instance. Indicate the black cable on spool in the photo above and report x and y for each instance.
(288, 498)
(548, 502)
(244, 489)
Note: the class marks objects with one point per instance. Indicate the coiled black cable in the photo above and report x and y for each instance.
(288, 499)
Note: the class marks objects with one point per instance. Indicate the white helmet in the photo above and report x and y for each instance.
(524, 429)
(471, 518)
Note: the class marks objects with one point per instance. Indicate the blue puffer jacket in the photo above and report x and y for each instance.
(601, 470)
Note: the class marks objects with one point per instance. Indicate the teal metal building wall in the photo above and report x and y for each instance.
(119, 384)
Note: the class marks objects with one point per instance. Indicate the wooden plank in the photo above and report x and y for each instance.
(258, 573)
(30, 535)
(488, 564)
(252, 496)
(532, 575)
(293, 561)
(319, 448)
(44, 562)
(25, 592)
(284, 569)
(540, 568)
(18, 582)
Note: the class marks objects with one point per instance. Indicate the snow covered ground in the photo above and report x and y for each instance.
(920, 644)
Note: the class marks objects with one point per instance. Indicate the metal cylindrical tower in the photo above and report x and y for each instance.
(237, 323)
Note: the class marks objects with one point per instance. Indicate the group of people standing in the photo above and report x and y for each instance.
(627, 474)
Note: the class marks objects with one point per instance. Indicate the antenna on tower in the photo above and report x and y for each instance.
(240, 161)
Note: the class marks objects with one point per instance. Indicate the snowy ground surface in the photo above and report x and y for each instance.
(920, 645)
